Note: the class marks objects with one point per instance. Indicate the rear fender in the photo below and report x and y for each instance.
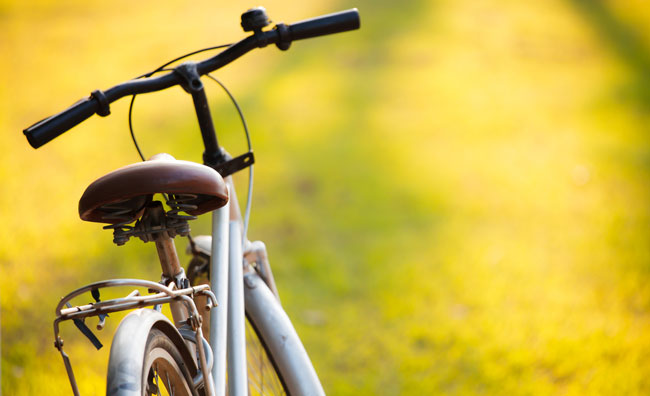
(128, 348)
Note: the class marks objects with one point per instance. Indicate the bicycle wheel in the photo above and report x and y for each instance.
(148, 357)
(164, 369)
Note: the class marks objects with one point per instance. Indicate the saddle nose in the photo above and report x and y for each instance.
(121, 195)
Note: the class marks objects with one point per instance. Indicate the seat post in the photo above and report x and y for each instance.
(169, 261)
(154, 219)
(171, 268)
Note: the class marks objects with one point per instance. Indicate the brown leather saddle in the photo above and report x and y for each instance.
(122, 195)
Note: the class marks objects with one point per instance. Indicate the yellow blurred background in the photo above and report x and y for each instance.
(455, 197)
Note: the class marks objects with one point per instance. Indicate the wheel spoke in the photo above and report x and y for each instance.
(170, 389)
(262, 377)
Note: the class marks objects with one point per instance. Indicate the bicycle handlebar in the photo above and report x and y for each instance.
(49, 128)
(325, 24)
(98, 103)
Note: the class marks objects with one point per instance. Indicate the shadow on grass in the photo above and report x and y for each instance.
(625, 42)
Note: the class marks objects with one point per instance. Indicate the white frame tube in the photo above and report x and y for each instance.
(219, 286)
(280, 337)
(237, 381)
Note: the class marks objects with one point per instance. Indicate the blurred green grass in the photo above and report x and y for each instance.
(455, 197)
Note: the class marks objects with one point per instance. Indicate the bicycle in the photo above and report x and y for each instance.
(239, 305)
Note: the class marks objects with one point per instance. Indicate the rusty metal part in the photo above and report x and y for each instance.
(168, 256)
(255, 254)
(164, 295)
(154, 223)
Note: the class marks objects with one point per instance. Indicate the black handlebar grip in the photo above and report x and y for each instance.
(326, 24)
(51, 127)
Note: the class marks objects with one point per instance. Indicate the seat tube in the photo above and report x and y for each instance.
(237, 382)
(219, 286)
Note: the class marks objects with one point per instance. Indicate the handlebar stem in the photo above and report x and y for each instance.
(191, 83)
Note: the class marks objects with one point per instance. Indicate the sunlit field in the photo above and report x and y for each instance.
(455, 198)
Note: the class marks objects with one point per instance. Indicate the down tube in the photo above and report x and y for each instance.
(280, 338)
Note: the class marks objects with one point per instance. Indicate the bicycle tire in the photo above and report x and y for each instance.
(164, 363)
(148, 356)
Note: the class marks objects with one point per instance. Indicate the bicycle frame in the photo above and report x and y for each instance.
(262, 308)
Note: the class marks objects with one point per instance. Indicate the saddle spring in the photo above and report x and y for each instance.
(117, 210)
(171, 223)
(179, 203)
